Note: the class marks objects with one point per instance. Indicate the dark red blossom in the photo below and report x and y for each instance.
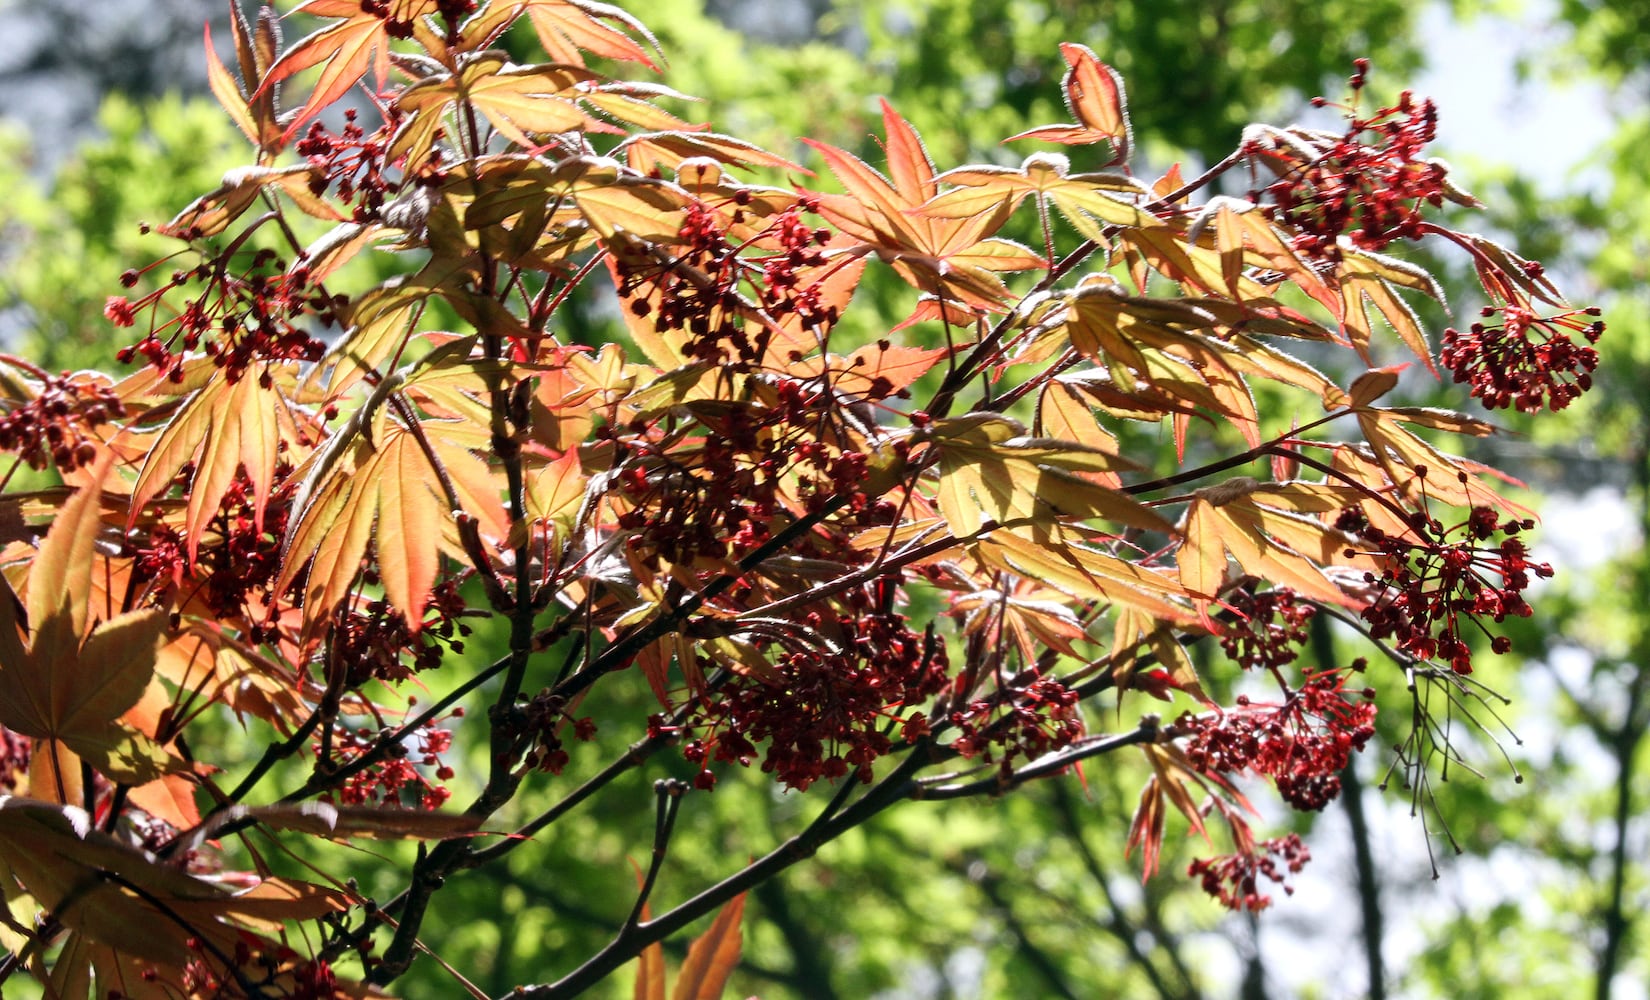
(118, 310)
(55, 426)
(1525, 360)
(824, 711)
(396, 780)
(715, 288)
(1234, 879)
(1370, 184)
(375, 643)
(14, 758)
(1302, 743)
(1440, 581)
(259, 312)
(352, 163)
(1270, 629)
(1018, 722)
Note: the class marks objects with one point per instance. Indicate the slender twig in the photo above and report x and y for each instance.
(1046, 765)
(668, 793)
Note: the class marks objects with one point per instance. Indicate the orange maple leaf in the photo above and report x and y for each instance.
(953, 258)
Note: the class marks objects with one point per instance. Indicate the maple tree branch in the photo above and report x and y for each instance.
(1049, 764)
(669, 793)
(621, 652)
(896, 786)
(1261, 450)
(899, 785)
(432, 868)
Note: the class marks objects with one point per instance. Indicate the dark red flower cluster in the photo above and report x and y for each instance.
(314, 980)
(1370, 184)
(826, 710)
(256, 967)
(235, 565)
(1018, 721)
(373, 639)
(1301, 743)
(1438, 580)
(1270, 629)
(542, 720)
(701, 290)
(1234, 879)
(54, 426)
(1526, 360)
(717, 500)
(384, 10)
(398, 780)
(260, 312)
(352, 163)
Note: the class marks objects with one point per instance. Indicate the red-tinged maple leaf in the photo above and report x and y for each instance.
(66, 682)
(1094, 95)
(710, 960)
(359, 41)
(568, 28)
(665, 151)
(990, 472)
(1245, 239)
(516, 100)
(252, 111)
(1109, 197)
(1271, 544)
(136, 921)
(1089, 574)
(875, 371)
(955, 258)
(212, 213)
(225, 427)
(381, 487)
(1164, 344)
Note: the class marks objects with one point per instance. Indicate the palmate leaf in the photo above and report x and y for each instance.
(712, 955)
(212, 213)
(516, 100)
(1094, 95)
(1089, 574)
(568, 28)
(1360, 289)
(69, 684)
(359, 41)
(1262, 541)
(1081, 198)
(1159, 342)
(134, 921)
(253, 112)
(991, 472)
(1244, 238)
(957, 255)
(389, 494)
(1033, 616)
(874, 370)
(664, 151)
(253, 115)
(75, 697)
(710, 960)
(226, 427)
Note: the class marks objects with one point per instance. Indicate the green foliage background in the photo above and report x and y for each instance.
(1031, 895)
